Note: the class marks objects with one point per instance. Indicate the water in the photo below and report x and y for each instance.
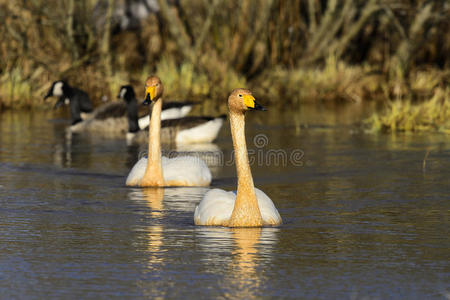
(364, 218)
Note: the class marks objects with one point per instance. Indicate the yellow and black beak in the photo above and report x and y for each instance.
(150, 94)
(251, 103)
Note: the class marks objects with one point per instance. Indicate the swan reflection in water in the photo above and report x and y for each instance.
(160, 205)
(151, 236)
(243, 254)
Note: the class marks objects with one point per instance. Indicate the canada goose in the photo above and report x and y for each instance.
(108, 119)
(187, 130)
(181, 130)
(112, 118)
(161, 171)
(249, 207)
(77, 99)
(170, 110)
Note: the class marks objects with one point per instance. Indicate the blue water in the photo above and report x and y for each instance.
(364, 218)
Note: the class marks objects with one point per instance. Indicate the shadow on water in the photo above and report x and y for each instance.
(365, 215)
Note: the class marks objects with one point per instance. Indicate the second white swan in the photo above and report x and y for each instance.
(248, 207)
(160, 171)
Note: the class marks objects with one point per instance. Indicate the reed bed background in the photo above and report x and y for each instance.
(288, 51)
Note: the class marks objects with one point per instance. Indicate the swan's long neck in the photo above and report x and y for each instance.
(153, 174)
(246, 211)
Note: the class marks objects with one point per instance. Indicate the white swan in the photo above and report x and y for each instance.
(249, 207)
(157, 171)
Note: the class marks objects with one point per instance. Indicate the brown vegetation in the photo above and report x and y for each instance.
(301, 50)
(431, 115)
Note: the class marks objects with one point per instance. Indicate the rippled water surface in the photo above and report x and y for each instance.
(366, 216)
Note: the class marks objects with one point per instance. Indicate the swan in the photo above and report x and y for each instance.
(249, 207)
(78, 100)
(158, 171)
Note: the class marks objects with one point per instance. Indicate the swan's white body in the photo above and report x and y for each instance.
(182, 170)
(204, 133)
(217, 205)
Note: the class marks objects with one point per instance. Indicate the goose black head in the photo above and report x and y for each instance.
(126, 93)
(57, 89)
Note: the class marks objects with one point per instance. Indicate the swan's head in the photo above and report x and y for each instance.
(126, 93)
(241, 100)
(56, 89)
(153, 89)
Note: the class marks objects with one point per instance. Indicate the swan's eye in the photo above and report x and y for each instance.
(240, 95)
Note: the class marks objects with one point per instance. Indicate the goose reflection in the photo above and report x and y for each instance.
(64, 155)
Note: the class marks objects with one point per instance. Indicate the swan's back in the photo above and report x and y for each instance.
(215, 208)
(269, 212)
(186, 171)
(217, 205)
(137, 172)
(179, 171)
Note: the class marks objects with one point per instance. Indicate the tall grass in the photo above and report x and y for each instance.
(301, 50)
(336, 80)
(429, 115)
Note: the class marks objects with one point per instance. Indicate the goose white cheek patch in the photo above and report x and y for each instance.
(57, 89)
(122, 93)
